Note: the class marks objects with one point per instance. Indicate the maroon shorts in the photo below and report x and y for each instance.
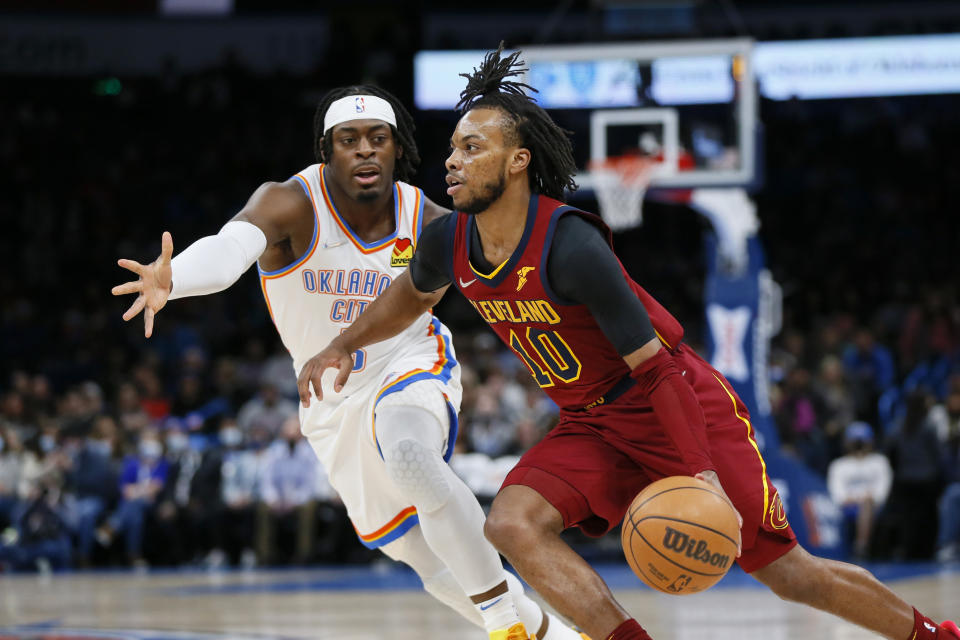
(594, 462)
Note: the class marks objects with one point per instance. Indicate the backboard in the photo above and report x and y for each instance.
(690, 105)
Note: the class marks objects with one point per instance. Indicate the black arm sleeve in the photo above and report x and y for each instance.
(583, 269)
(429, 268)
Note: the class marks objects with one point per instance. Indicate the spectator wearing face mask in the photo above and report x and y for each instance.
(41, 473)
(92, 484)
(174, 521)
(233, 506)
(859, 483)
(142, 478)
(11, 463)
(288, 482)
(42, 534)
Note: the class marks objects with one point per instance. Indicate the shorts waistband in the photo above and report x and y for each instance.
(622, 386)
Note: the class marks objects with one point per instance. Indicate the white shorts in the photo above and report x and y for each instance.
(343, 435)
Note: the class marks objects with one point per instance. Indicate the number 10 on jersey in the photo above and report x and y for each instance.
(548, 356)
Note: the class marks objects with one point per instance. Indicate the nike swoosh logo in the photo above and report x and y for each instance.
(331, 245)
(467, 283)
(484, 608)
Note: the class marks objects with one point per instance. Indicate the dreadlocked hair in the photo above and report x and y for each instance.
(406, 165)
(552, 166)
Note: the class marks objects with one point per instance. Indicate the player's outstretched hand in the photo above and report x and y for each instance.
(153, 287)
(333, 355)
(710, 477)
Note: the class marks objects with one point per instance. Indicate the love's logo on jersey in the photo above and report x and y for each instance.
(402, 253)
(522, 280)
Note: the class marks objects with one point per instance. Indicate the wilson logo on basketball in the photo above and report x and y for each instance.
(402, 252)
(691, 547)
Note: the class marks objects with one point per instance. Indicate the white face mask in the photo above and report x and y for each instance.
(150, 449)
(231, 437)
(177, 441)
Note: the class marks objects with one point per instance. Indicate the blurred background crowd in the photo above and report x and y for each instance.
(185, 448)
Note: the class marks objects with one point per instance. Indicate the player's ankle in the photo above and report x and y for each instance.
(926, 629)
(629, 630)
(498, 612)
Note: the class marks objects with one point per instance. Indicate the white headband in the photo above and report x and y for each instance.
(358, 108)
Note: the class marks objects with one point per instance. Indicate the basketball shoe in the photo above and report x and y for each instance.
(516, 632)
(951, 627)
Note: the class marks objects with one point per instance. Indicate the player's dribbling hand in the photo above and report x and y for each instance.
(333, 355)
(153, 287)
(710, 477)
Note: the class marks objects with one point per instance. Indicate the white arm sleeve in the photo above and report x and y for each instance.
(213, 263)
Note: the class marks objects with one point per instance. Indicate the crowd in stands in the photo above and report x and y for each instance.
(185, 449)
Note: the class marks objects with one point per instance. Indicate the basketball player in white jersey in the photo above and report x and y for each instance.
(327, 242)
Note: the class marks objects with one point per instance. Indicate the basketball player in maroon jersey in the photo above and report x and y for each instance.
(636, 403)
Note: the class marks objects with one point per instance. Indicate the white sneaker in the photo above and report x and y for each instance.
(248, 559)
(215, 559)
(948, 553)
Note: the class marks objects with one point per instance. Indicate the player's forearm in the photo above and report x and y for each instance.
(392, 312)
(213, 263)
(677, 409)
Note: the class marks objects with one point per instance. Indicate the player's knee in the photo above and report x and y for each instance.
(509, 527)
(503, 531)
(418, 472)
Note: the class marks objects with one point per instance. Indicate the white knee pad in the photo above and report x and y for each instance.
(411, 452)
(418, 472)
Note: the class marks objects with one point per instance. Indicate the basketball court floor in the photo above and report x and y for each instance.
(384, 602)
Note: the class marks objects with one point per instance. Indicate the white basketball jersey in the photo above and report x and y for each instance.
(312, 300)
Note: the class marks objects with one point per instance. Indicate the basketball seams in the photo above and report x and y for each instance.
(650, 582)
(693, 524)
(690, 486)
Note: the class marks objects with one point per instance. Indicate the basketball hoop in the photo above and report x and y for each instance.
(620, 183)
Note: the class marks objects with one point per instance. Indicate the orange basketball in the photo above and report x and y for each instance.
(680, 535)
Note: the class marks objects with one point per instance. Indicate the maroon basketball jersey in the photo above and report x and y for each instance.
(560, 342)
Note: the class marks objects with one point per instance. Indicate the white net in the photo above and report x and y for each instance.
(620, 184)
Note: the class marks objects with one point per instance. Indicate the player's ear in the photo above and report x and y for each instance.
(323, 155)
(520, 160)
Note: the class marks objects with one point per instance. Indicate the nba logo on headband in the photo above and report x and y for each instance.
(362, 107)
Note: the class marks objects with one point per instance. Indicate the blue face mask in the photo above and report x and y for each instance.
(2, 443)
(47, 443)
(102, 447)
